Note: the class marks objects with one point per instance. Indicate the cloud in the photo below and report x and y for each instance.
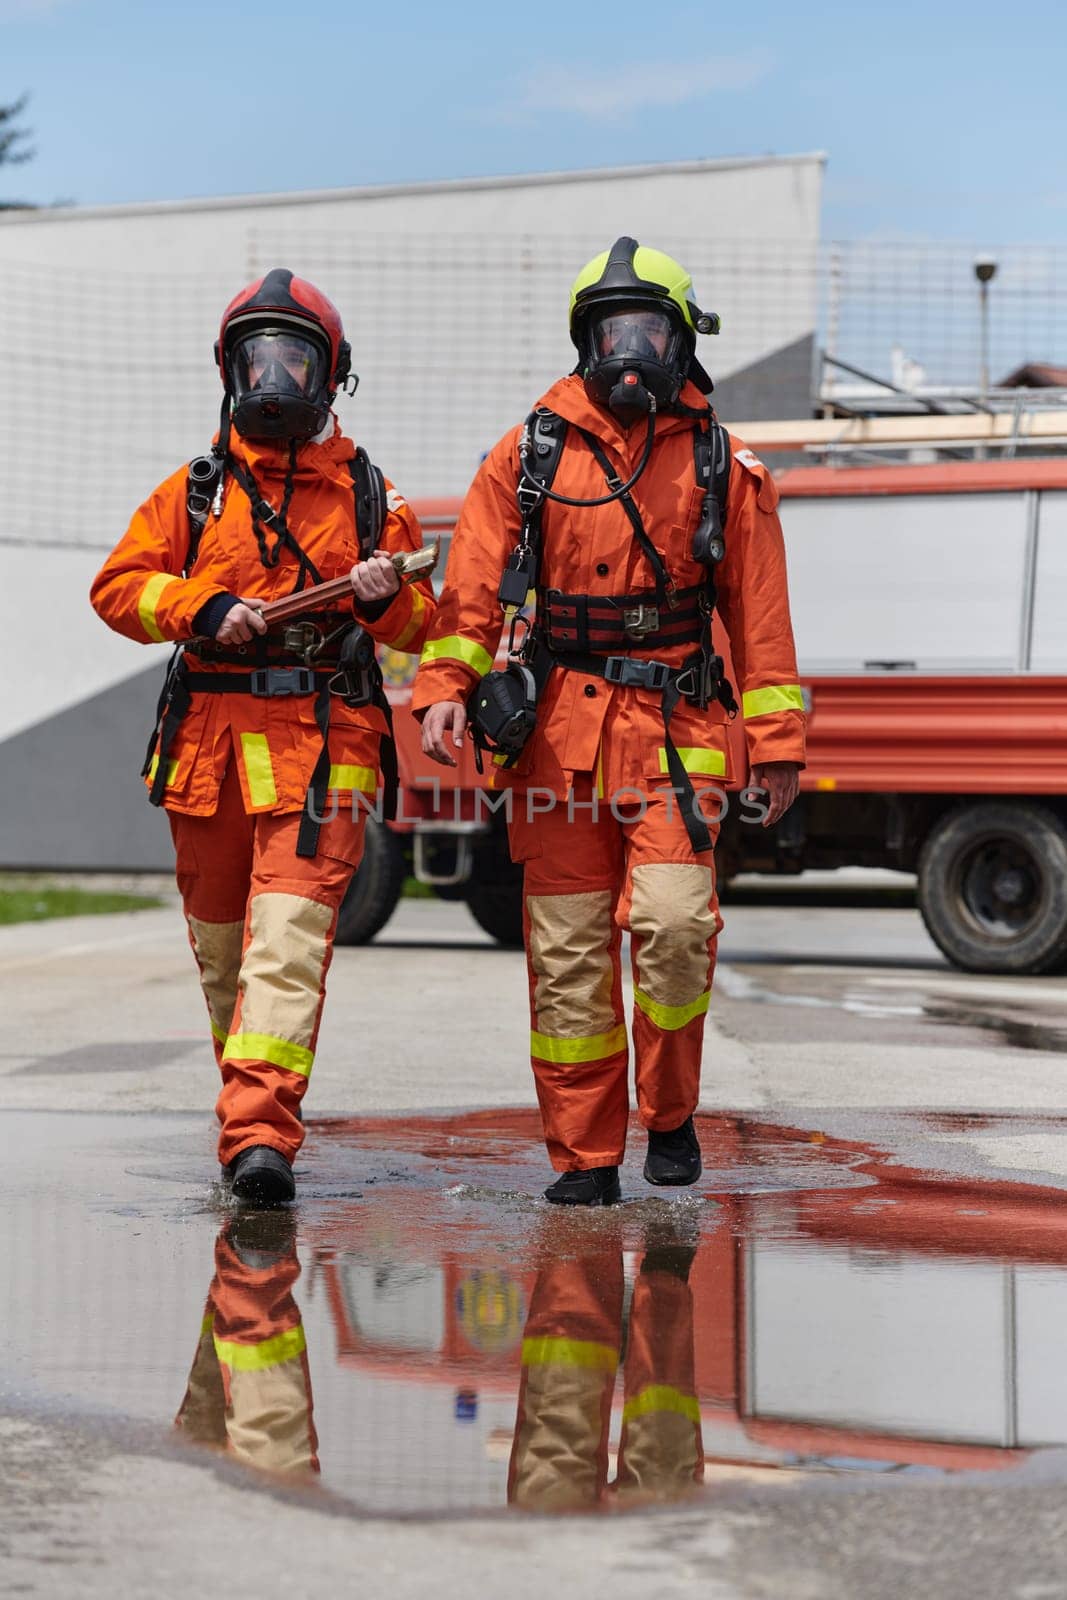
(613, 94)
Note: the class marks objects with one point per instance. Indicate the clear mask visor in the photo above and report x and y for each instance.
(279, 362)
(635, 334)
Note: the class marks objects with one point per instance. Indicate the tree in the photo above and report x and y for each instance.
(12, 137)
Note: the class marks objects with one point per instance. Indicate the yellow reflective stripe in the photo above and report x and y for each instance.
(365, 778)
(218, 1033)
(258, 769)
(712, 762)
(456, 648)
(591, 1047)
(146, 605)
(568, 1353)
(414, 622)
(262, 1047)
(172, 770)
(659, 1397)
(257, 1357)
(208, 1323)
(671, 1017)
(782, 697)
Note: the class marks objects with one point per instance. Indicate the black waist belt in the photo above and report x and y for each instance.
(578, 622)
(628, 672)
(265, 683)
(272, 683)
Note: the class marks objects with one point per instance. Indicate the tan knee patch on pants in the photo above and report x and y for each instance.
(570, 935)
(217, 946)
(670, 911)
(282, 970)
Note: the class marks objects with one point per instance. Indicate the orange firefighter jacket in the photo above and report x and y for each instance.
(585, 724)
(140, 592)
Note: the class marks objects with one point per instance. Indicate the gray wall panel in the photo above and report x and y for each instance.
(70, 794)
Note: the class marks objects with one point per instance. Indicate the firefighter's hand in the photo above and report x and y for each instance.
(375, 578)
(780, 781)
(447, 718)
(240, 623)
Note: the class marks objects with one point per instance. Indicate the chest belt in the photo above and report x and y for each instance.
(580, 622)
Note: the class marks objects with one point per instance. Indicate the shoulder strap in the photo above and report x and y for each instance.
(368, 488)
(711, 456)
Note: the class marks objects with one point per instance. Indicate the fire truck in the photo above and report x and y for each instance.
(929, 601)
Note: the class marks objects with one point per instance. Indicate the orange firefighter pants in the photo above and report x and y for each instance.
(249, 1389)
(570, 1355)
(261, 923)
(588, 877)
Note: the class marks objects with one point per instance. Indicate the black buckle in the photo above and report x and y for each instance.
(630, 674)
(273, 683)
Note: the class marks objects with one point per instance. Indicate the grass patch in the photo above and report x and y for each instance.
(414, 890)
(37, 902)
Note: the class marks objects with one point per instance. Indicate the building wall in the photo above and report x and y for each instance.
(454, 297)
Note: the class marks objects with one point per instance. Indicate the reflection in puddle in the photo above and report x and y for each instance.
(467, 1352)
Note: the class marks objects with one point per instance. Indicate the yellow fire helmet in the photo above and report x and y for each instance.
(634, 322)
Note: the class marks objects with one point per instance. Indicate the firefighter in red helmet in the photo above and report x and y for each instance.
(265, 739)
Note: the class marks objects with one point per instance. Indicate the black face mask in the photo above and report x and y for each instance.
(630, 355)
(279, 383)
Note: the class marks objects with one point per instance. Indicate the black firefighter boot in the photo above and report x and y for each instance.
(263, 1176)
(673, 1158)
(596, 1186)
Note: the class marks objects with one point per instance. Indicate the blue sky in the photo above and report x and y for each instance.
(940, 120)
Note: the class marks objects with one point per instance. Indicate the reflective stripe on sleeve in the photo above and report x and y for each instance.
(781, 697)
(660, 1397)
(263, 1047)
(712, 762)
(218, 1033)
(591, 1047)
(257, 1357)
(568, 1353)
(364, 778)
(414, 622)
(149, 600)
(456, 648)
(670, 1018)
(259, 769)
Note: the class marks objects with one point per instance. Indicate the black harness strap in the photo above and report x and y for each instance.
(263, 513)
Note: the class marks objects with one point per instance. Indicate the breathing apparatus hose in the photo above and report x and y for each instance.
(618, 493)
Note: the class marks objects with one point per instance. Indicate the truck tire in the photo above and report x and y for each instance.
(993, 887)
(494, 891)
(497, 909)
(375, 888)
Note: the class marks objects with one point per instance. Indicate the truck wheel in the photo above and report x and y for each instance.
(993, 887)
(497, 909)
(375, 888)
(494, 890)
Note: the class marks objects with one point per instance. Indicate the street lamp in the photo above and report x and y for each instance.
(985, 270)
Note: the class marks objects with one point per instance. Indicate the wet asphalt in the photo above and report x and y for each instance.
(853, 1323)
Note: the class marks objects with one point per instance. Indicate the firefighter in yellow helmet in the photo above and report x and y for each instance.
(632, 514)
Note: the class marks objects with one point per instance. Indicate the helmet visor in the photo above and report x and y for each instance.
(635, 334)
(277, 361)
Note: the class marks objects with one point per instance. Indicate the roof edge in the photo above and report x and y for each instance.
(385, 191)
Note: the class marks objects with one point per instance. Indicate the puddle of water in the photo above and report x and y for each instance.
(420, 1334)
